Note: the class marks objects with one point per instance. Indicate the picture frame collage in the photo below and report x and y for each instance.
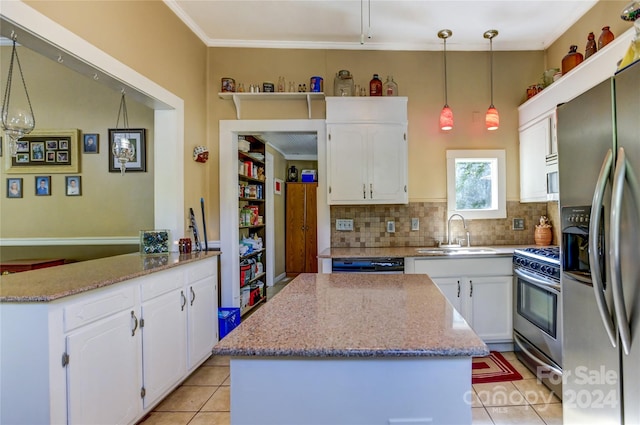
(46, 152)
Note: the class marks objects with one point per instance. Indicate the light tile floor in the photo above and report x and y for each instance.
(204, 398)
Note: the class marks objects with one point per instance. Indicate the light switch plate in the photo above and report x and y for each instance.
(518, 224)
(415, 224)
(391, 226)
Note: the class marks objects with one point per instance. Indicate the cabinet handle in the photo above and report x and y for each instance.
(458, 289)
(193, 295)
(364, 191)
(371, 190)
(135, 323)
(184, 300)
(471, 288)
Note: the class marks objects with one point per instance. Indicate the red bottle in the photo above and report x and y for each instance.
(375, 86)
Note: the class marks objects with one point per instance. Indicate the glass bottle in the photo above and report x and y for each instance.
(571, 59)
(281, 85)
(390, 88)
(605, 38)
(343, 83)
(591, 45)
(375, 86)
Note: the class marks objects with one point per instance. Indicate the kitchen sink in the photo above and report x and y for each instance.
(465, 250)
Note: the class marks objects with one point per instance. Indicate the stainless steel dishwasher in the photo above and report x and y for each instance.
(386, 265)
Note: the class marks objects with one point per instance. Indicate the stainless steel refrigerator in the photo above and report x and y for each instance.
(599, 161)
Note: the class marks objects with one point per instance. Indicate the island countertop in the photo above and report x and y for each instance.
(355, 315)
(45, 285)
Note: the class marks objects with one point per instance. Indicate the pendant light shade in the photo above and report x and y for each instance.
(492, 119)
(446, 115)
(17, 113)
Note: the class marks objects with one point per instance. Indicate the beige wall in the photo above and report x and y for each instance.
(148, 37)
(604, 13)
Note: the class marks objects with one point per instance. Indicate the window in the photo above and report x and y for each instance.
(476, 183)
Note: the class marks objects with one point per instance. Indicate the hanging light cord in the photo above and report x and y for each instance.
(491, 45)
(446, 101)
(7, 92)
(123, 110)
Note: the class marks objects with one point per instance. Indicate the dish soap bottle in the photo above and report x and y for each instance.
(375, 86)
(390, 88)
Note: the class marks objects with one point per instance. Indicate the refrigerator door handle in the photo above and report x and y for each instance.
(594, 237)
(623, 172)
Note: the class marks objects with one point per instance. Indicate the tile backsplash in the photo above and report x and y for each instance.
(370, 225)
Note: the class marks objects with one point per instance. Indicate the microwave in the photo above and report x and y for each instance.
(553, 184)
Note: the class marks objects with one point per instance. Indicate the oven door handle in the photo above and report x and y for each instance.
(529, 354)
(594, 249)
(540, 283)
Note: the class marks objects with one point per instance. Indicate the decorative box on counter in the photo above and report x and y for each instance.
(154, 241)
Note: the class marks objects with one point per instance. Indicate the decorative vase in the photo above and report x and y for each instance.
(542, 236)
(591, 45)
(571, 59)
(605, 38)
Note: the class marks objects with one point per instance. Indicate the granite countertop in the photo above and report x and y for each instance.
(355, 315)
(410, 251)
(49, 284)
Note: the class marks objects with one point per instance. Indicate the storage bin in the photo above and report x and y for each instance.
(309, 176)
(228, 320)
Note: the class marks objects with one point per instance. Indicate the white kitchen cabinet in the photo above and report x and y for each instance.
(479, 288)
(108, 355)
(367, 151)
(537, 142)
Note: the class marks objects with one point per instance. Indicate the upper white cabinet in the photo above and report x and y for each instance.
(537, 143)
(367, 150)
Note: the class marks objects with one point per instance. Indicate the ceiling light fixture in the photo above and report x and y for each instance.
(446, 115)
(17, 113)
(492, 118)
(122, 148)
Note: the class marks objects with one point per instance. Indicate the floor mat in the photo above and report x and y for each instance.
(493, 368)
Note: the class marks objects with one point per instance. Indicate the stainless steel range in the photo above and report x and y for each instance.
(537, 313)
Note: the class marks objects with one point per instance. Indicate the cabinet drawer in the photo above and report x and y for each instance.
(160, 283)
(466, 266)
(97, 306)
(201, 269)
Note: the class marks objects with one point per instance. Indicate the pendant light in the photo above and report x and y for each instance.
(122, 148)
(492, 118)
(446, 115)
(17, 113)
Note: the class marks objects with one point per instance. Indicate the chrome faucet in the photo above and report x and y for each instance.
(464, 223)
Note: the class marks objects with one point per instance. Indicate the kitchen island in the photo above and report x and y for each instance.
(353, 349)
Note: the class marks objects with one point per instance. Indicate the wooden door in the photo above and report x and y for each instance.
(301, 228)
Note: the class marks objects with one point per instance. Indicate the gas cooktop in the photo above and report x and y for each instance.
(544, 261)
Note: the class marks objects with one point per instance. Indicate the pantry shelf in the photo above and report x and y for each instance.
(238, 98)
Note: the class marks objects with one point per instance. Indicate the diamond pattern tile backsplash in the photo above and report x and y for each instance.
(370, 225)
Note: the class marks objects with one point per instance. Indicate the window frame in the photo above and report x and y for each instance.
(499, 155)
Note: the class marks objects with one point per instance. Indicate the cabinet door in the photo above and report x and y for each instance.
(104, 374)
(491, 310)
(202, 319)
(388, 164)
(535, 142)
(347, 163)
(164, 338)
(452, 288)
(295, 228)
(311, 229)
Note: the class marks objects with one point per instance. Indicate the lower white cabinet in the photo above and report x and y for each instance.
(479, 288)
(107, 356)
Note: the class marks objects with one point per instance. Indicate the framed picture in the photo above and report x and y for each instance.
(90, 143)
(46, 152)
(0, 146)
(43, 185)
(137, 136)
(73, 184)
(14, 188)
(277, 186)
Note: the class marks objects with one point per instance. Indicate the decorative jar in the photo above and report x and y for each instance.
(571, 59)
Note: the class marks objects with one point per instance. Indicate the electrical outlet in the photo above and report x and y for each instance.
(518, 224)
(415, 224)
(391, 226)
(344, 225)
